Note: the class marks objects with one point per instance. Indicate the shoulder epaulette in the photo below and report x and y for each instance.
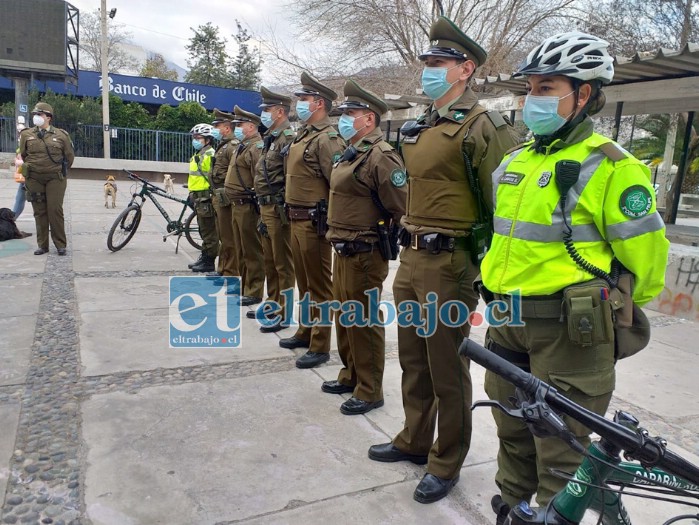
(613, 151)
(260, 144)
(385, 147)
(333, 134)
(497, 119)
(289, 132)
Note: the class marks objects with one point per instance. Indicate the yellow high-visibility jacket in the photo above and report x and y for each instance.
(200, 166)
(611, 209)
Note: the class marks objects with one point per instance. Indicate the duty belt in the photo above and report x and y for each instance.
(264, 200)
(538, 307)
(243, 201)
(299, 214)
(350, 248)
(201, 193)
(436, 242)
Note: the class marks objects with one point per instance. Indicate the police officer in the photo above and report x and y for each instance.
(309, 163)
(270, 182)
(610, 217)
(240, 190)
(454, 143)
(367, 196)
(227, 264)
(199, 184)
(48, 153)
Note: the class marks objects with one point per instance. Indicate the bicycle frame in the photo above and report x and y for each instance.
(149, 191)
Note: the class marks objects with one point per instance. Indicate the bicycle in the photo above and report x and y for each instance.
(601, 467)
(126, 224)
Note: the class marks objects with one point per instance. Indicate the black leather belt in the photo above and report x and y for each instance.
(299, 214)
(242, 202)
(538, 306)
(436, 242)
(264, 200)
(350, 248)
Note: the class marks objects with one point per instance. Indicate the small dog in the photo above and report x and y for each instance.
(169, 185)
(110, 189)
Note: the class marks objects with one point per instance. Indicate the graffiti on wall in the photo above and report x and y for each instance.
(680, 296)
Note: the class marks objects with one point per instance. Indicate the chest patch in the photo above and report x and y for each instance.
(398, 178)
(635, 202)
(459, 116)
(544, 179)
(510, 178)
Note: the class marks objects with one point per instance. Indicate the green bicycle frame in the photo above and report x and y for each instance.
(150, 192)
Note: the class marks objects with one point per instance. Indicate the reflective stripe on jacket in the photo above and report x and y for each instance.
(200, 170)
(611, 210)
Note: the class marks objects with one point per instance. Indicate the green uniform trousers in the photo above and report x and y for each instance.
(313, 269)
(206, 219)
(279, 262)
(46, 193)
(436, 379)
(361, 348)
(247, 243)
(583, 374)
(227, 256)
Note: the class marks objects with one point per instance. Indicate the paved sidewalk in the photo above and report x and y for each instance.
(101, 423)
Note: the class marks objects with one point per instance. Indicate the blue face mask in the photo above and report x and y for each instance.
(346, 127)
(216, 134)
(540, 114)
(239, 134)
(266, 118)
(197, 145)
(434, 82)
(303, 110)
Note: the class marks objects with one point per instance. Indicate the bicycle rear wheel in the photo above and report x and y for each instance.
(191, 231)
(124, 228)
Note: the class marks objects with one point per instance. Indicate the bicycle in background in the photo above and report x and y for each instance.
(126, 224)
(655, 470)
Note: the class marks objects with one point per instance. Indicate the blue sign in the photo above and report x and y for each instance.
(152, 91)
(204, 313)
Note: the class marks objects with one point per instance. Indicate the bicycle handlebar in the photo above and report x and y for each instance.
(133, 176)
(619, 435)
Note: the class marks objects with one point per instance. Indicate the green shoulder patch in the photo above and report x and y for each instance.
(260, 144)
(333, 134)
(636, 202)
(399, 178)
(336, 157)
(289, 132)
(459, 116)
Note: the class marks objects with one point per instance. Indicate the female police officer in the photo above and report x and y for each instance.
(571, 209)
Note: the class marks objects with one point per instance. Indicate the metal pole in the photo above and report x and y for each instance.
(22, 101)
(682, 167)
(104, 58)
(617, 120)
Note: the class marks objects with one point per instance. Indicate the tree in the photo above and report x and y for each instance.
(128, 115)
(181, 118)
(207, 57)
(245, 67)
(155, 67)
(91, 45)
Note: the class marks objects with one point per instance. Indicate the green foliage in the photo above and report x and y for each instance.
(207, 57)
(131, 115)
(155, 67)
(182, 118)
(245, 67)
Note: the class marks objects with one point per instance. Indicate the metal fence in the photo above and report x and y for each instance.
(126, 143)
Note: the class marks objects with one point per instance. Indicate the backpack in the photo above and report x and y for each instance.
(8, 228)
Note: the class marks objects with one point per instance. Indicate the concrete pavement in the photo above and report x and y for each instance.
(102, 423)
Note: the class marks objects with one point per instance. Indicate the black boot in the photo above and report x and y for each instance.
(200, 259)
(500, 508)
(207, 264)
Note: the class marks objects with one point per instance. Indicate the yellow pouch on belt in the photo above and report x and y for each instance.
(589, 313)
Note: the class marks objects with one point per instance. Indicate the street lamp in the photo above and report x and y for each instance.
(104, 57)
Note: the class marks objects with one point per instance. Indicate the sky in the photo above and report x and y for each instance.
(163, 26)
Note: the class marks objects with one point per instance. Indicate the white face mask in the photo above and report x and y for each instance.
(38, 120)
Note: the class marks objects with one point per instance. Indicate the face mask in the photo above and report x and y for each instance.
(197, 145)
(266, 118)
(239, 134)
(346, 126)
(540, 114)
(216, 134)
(303, 110)
(434, 81)
(38, 120)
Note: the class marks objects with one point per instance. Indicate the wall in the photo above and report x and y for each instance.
(681, 294)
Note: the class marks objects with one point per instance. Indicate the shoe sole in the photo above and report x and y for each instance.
(303, 365)
(353, 413)
(417, 460)
(432, 499)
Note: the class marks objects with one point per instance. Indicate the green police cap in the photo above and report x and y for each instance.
(245, 116)
(311, 86)
(269, 98)
(222, 116)
(42, 107)
(356, 97)
(449, 41)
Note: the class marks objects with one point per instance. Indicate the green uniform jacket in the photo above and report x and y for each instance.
(242, 168)
(222, 159)
(43, 155)
(274, 143)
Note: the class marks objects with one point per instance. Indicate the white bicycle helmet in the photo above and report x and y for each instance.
(205, 130)
(573, 54)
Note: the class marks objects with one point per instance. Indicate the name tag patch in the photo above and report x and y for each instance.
(510, 178)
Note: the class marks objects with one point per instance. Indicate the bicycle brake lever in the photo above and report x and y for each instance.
(512, 412)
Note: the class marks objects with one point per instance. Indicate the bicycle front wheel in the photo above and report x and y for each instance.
(191, 231)
(124, 228)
